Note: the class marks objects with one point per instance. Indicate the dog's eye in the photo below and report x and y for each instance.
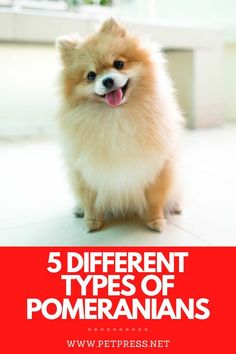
(118, 64)
(91, 76)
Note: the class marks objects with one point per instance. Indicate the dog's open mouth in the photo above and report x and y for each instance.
(114, 98)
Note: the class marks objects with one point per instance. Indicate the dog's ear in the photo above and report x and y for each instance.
(67, 46)
(113, 27)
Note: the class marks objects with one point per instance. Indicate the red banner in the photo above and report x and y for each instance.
(96, 299)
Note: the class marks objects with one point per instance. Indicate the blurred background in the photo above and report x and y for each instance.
(199, 41)
(199, 38)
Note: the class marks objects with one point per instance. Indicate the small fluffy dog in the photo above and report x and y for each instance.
(120, 127)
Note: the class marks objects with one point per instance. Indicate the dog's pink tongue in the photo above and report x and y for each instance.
(114, 98)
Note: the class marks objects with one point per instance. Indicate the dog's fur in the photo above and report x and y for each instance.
(120, 159)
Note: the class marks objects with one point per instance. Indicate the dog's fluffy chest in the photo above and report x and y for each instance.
(116, 158)
(120, 173)
(120, 183)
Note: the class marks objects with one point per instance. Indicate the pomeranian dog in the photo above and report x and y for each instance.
(120, 127)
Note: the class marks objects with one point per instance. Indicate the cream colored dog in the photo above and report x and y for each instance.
(120, 127)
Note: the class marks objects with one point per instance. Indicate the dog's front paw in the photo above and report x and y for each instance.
(157, 224)
(78, 211)
(93, 225)
(176, 209)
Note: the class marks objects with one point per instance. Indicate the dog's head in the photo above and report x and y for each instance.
(109, 68)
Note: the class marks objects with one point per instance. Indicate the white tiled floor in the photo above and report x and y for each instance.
(36, 202)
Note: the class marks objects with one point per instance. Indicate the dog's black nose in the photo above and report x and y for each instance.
(108, 82)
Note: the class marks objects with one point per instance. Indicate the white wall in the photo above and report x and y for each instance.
(203, 12)
(185, 12)
(230, 82)
(207, 12)
(28, 99)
